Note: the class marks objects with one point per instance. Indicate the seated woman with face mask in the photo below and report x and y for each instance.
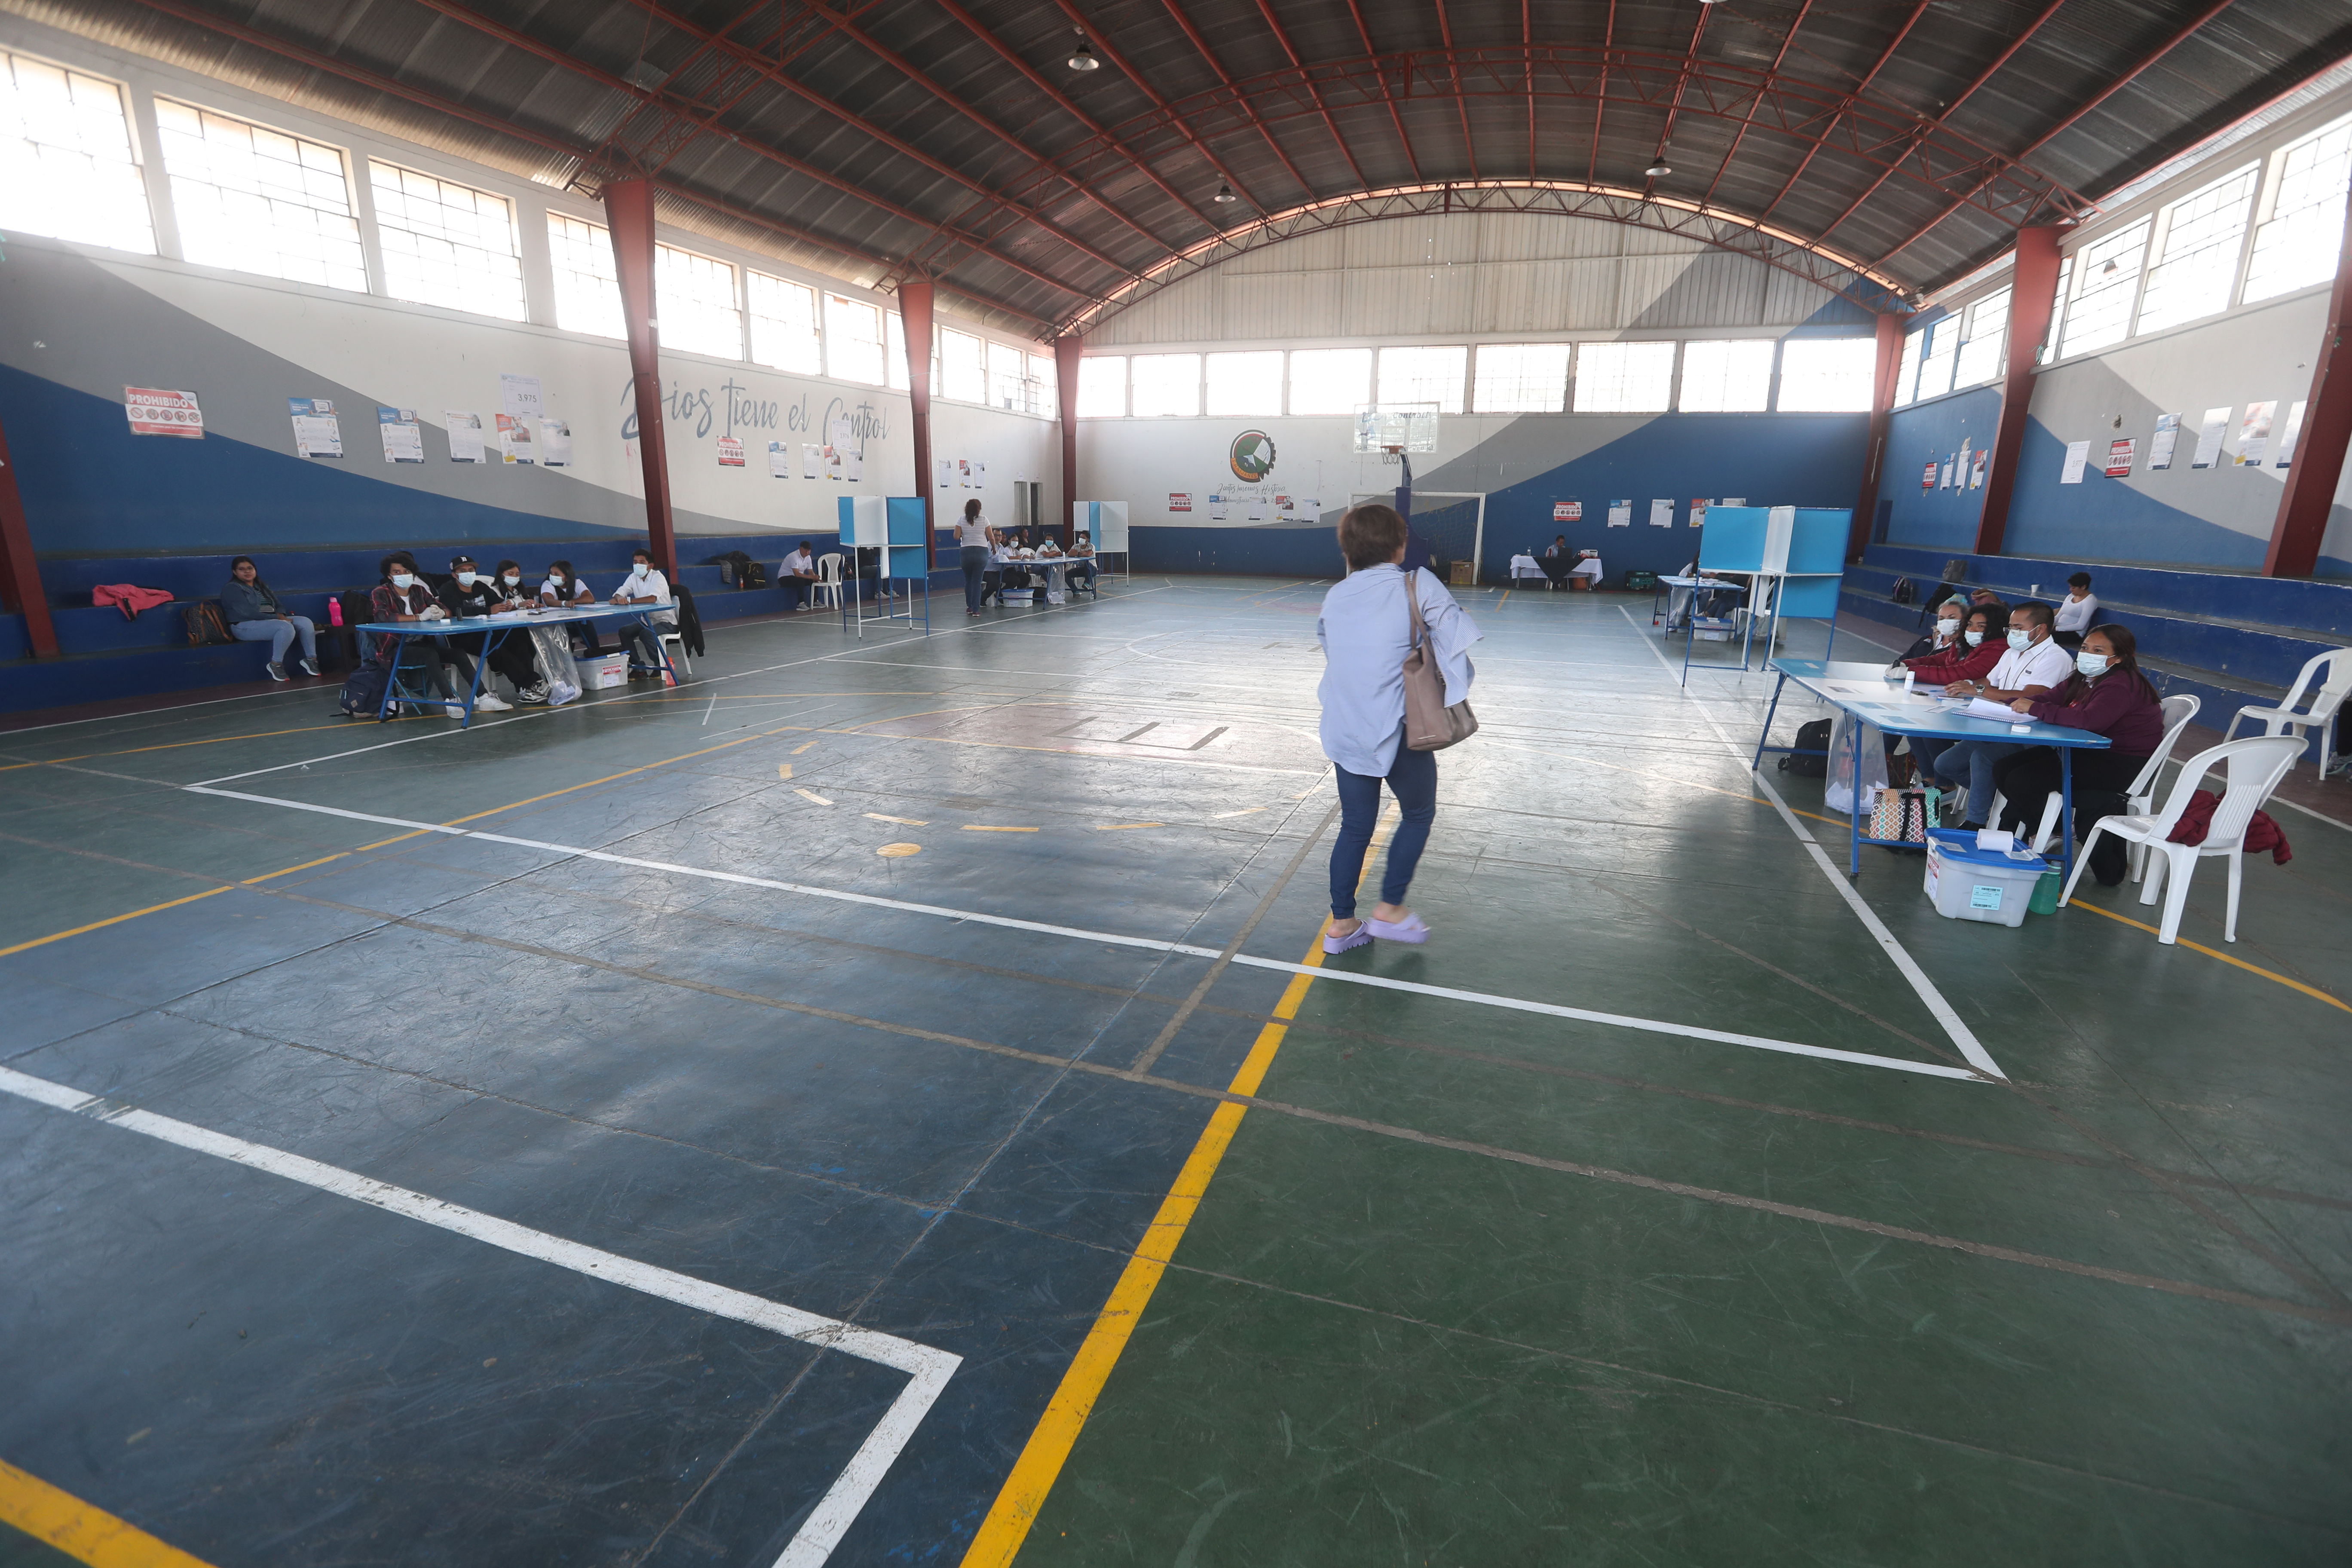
(2109, 696)
(1968, 650)
(471, 592)
(403, 596)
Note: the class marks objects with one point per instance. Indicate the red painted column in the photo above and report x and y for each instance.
(2031, 283)
(916, 298)
(1066, 377)
(2302, 521)
(1882, 406)
(630, 204)
(20, 571)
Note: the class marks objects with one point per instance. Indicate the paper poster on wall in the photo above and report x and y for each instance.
(2215, 424)
(2078, 458)
(1662, 513)
(1282, 505)
(833, 464)
(2254, 432)
(1180, 501)
(1927, 476)
(1698, 511)
(841, 435)
(1621, 513)
(731, 451)
(1216, 506)
(780, 460)
(154, 411)
(1943, 478)
(1257, 508)
(1311, 507)
(2159, 447)
(2287, 436)
(2119, 456)
(853, 465)
(554, 442)
(403, 437)
(1567, 511)
(1733, 500)
(514, 440)
(519, 396)
(812, 457)
(1960, 467)
(963, 472)
(465, 435)
(979, 476)
(316, 434)
(946, 473)
(1977, 472)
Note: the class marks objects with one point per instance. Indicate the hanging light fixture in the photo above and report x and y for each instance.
(1225, 192)
(1658, 169)
(1082, 58)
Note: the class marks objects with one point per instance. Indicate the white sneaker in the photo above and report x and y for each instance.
(489, 702)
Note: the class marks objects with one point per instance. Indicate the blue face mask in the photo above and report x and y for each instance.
(2093, 665)
(403, 581)
(1973, 639)
(2020, 638)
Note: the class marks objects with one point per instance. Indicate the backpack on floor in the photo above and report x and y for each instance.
(363, 691)
(750, 574)
(1814, 738)
(207, 626)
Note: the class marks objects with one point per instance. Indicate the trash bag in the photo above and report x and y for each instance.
(1840, 792)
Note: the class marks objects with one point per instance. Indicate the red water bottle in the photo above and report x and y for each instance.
(334, 610)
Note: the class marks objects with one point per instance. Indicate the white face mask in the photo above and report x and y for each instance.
(639, 570)
(2091, 664)
(403, 581)
(466, 579)
(1947, 630)
(1974, 639)
(512, 578)
(2020, 638)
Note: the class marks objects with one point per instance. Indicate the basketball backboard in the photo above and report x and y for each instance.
(1396, 427)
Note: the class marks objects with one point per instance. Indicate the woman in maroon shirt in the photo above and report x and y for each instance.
(1970, 655)
(2109, 696)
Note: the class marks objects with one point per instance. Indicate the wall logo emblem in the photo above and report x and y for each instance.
(1252, 458)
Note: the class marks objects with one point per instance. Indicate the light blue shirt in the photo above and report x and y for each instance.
(1366, 630)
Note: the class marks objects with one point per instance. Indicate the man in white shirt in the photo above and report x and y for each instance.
(2078, 612)
(645, 584)
(2035, 666)
(798, 571)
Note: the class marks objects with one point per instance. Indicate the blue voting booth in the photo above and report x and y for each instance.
(1795, 555)
(897, 533)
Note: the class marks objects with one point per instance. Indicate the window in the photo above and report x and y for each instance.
(1102, 386)
(1008, 378)
(1166, 384)
(1827, 375)
(447, 244)
(2106, 278)
(784, 325)
(587, 288)
(1246, 385)
(258, 200)
(895, 362)
(1907, 380)
(694, 300)
(853, 341)
(2196, 263)
(963, 374)
(1943, 352)
(1624, 378)
(1520, 378)
(2057, 309)
(1982, 351)
(1331, 381)
(1047, 376)
(1731, 377)
(65, 168)
(2299, 244)
(1432, 374)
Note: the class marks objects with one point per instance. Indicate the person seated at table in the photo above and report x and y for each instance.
(797, 575)
(2106, 695)
(254, 615)
(513, 595)
(2032, 667)
(645, 584)
(471, 592)
(562, 589)
(402, 596)
(1966, 646)
(2077, 612)
(1082, 562)
(1558, 548)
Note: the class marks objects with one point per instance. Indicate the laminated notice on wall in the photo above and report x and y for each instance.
(1977, 473)
(515, 444)
(1943, 478)
(1927, 476)
(2078, 458)
(1566, 512)
(780, 460)
(946, 473)
(403, 436)
(1311, 506)
(853, 465)
(465, 435)
(979, 476)
(1216, 506)
(1621, 513)
(2287, 436)
(812, 458)
(2254, 432)
(1662, 513)
(316, 434)
(963, 472)
(554, 442)
(2119, 456)
(519, 396)
(2159, 447)
(1698, 511)
(2215, 424)
(731, 451)
(1180, 501)
(154, 411)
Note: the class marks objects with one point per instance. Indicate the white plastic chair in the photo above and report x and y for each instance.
(2251, 769)
(673, 643)
(2332, 672)
(828, 581)
(2177, 711)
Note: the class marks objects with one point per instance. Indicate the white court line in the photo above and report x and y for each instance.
(928, 1369)
(1152, 944)
(2306, 811)
(1961, 1034)
(152, 712)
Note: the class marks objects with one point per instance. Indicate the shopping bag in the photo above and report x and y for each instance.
(1900, 816)
(1843, 792)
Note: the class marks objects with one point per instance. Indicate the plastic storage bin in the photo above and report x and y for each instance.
(1966, 883)
(612, 669)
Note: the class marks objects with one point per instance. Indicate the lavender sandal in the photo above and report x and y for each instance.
(1333, 943)
(1410, 929)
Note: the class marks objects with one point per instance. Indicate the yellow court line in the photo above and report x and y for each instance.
(976, 827)
(170, 746)
(1123, 827)
(2209, 953)
(1019, 1500)
(83, 1532)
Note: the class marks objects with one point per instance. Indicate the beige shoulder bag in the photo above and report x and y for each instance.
(1429, 724)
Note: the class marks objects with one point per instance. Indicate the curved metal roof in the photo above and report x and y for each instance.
(1881, 148)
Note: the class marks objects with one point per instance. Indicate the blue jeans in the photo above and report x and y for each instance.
(1412, 779)
(975, 560)
(281, 635)
(1969, 763)
(643, 639)
(1081, 571)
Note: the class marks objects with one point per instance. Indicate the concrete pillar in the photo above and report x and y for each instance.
(1066, 378)
(915, 298)
(2303, 512)
(20, 572)
(629, 204)
(1882, 404)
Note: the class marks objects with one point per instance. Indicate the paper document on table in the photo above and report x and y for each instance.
(1978, 708)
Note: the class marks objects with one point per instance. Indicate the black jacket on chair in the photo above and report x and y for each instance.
(689, 624)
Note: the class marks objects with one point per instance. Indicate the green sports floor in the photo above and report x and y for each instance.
(883, 1102)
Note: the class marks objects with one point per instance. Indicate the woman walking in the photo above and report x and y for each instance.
(972, 533)
(1366, 631)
